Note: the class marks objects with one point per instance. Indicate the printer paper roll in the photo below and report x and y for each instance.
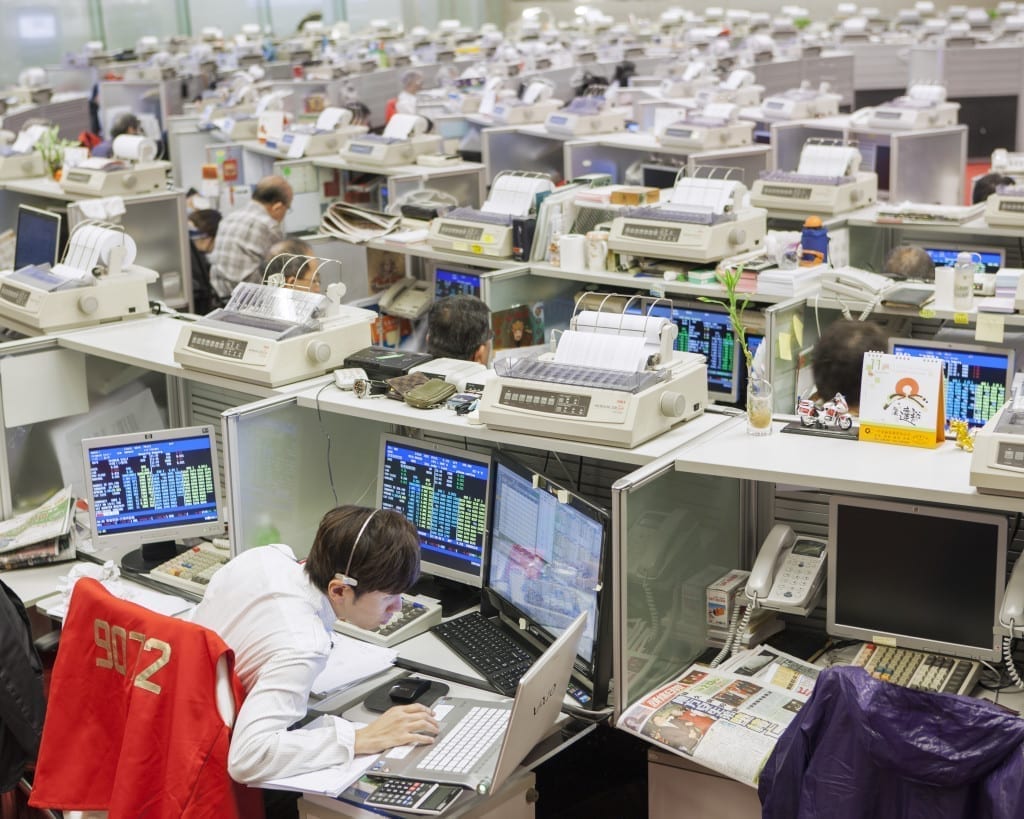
(602, 350)
(92, 244)
(134, 147)
(648, 327)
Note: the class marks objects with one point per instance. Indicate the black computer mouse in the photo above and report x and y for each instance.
(408, 689)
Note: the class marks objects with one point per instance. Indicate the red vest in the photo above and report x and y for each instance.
(132, 725)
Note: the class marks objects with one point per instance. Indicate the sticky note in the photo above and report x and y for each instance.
(989, 328)
(961, 318)
(798, 331)
(926, 312)
(563, 496)
(785, 342)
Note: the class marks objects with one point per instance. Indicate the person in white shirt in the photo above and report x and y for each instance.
(412, 83)
(276, 614)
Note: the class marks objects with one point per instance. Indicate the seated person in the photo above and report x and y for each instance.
(124, 124)
(287, 259)
(909, 262)
(839, 358)
(202, 233)
(276, 615)
(986, 185)
(460, 327)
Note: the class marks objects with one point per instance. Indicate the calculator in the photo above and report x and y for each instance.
(413, 797)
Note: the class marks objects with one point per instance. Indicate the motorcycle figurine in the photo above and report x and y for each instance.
(836, 413)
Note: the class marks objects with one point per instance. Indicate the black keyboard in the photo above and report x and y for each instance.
(487, 648)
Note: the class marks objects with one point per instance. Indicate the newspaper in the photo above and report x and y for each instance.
(726, 721)
(770, 665)
(46, 522)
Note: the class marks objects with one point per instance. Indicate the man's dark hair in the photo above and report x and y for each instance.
(123, 124)
(272, 189)
(280, 258)
(839, 357)
(205, 221)
(986, 185)
(386, 557)
(909, 262)
(457, 326)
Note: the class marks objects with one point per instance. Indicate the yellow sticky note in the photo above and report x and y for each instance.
(798, 331)
(961, 318)
(785, 341)
(989, 328)
(927, 312)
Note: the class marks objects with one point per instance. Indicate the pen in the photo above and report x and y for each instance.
(449, 676)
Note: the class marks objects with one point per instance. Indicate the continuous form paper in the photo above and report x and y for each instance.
(603, 350)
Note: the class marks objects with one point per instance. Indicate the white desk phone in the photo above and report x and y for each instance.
(788, 573)
(408, 298)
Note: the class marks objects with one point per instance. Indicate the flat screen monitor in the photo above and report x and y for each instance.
(659, 176)
(922, 577)
(150, 489)
(37, 239)
(453, 281)
(444, 492)
(992, 258)
(977, 378)
(549, 561)
(709, 333)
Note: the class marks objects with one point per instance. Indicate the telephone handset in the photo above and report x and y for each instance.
(1011, 612)
(408, 298)
(788, 573)
(854, 283)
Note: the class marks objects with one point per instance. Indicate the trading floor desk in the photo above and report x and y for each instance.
(684, 520)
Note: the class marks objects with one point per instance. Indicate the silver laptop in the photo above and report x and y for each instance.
(482, 742)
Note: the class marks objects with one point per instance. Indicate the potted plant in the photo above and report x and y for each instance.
(759, 390)
(51, 148)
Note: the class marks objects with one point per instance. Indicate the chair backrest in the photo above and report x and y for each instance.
(133, 693)
(22, 701)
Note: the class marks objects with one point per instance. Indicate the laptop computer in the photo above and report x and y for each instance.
(482, 742)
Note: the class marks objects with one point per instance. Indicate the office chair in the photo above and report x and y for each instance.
(861, 748)
(22, 702)
(141, 707)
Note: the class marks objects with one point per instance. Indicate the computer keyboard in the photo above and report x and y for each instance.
(418, 614)
(919, 670)
(461, 748)
(487, 648)
(192, 569)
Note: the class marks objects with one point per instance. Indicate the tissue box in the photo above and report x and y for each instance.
(634, 195)
(722, 595)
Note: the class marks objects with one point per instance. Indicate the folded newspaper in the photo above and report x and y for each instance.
(38, 536)
(729, 718)
(355, 224)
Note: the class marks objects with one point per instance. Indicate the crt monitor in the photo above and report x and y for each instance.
(992, 258)
(708, 332)
(921, 577)
(444, 492)
(150, 489)
(549, 562)
(37, 239)
(450, 280)
(977, 378)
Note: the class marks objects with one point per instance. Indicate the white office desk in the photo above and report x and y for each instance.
(940, 475)
(446, 422)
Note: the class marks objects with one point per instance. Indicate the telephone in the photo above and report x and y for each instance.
(850, 282)
(1011, 617)
(788, 573)
(409, 298)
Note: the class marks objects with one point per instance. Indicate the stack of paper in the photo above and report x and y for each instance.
(799, 281)
(39, 536)
(352, 661)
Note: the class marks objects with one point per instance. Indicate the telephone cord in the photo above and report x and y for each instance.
(737, 627)
(1011, 666)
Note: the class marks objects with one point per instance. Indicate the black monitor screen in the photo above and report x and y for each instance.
(454, 283)
(976, 378)
(925, 577)
(152, 484)
(37, 240)
(547, 548)
(444, 492)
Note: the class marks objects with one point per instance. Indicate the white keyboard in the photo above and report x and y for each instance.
(419, 613)
(192, 569)
(462, 747)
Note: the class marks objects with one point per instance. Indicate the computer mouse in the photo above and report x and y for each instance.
(408, 690)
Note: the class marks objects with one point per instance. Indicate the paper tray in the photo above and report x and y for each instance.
(535, 369)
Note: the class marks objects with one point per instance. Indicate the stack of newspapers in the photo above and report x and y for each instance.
(39, 536)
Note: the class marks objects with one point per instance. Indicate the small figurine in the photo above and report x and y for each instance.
(835, 414)
(964, 438)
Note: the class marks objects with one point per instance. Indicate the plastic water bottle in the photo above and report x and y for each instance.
(963, 281)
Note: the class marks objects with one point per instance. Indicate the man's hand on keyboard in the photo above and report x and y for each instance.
(401, 725)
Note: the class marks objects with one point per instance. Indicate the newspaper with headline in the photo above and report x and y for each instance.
(728, 718)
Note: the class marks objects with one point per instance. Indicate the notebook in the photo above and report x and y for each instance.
(511, 729)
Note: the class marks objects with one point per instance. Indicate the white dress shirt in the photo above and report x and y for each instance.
(279, 625)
